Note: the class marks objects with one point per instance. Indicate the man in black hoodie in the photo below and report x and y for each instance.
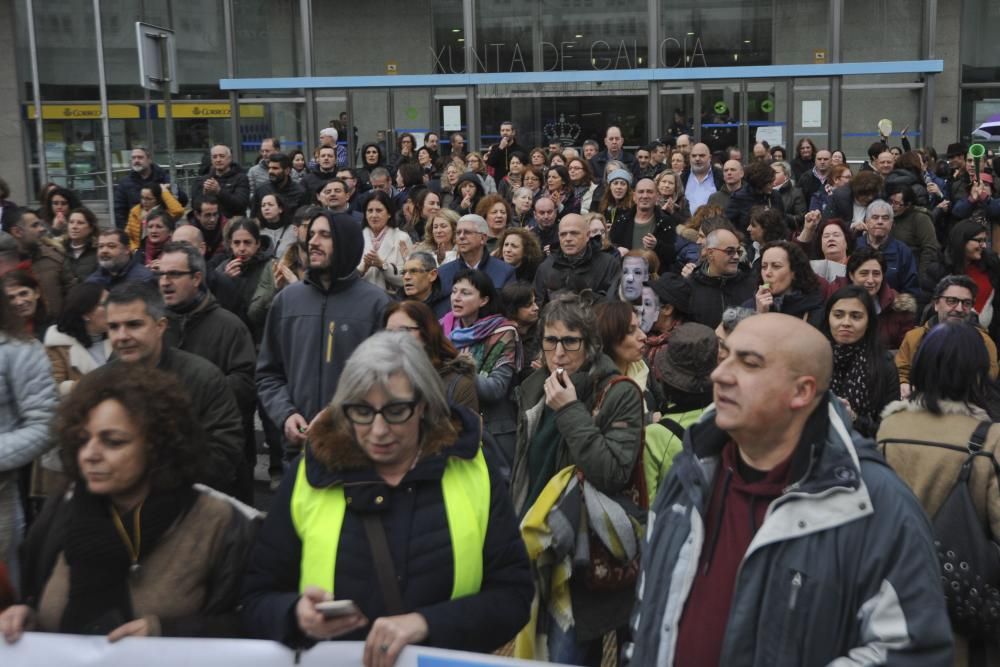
(314, 325)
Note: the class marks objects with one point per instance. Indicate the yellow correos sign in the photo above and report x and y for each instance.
(209, 110)
(83, 111)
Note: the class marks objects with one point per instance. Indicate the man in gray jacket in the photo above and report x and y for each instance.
(315, 324)
(779, 537)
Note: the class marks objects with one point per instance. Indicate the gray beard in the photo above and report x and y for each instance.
(113, 265)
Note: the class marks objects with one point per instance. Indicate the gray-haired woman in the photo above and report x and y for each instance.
(392, 481)
(577, 409)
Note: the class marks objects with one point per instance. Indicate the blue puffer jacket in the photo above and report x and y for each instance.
(842, 571)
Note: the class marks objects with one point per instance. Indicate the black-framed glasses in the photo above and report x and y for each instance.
(569, 343)
(172, 275)
(980, 240)
(395, 412)
(953, 301)
(730, 251)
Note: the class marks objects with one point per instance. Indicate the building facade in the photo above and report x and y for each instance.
(729, 72)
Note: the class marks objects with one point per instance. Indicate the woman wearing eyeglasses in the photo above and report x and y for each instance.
(578, 410)
(478, 330)
(394, 513)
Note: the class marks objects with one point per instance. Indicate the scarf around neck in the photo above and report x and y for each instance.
(851, 377)
(99, 563)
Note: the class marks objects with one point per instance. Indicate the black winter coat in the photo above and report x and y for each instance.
(711, 295)
(744, 199)
(416, 527)
(233, 194)
(596, 271)
(664, 229)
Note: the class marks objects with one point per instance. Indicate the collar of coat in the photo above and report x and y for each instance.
(947, 408)
(825, 456)
(333, 456)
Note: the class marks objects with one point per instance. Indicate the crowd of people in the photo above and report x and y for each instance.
(666, 406)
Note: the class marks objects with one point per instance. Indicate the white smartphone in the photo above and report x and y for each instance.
(335, 608)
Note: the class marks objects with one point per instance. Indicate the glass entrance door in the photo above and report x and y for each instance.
(721, 115)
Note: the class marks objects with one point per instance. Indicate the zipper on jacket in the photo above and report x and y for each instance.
(793, 597)
(329, 342)
(718, 520)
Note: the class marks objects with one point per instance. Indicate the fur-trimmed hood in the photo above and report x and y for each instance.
(947, 408)
(333, 456)
(461, 364)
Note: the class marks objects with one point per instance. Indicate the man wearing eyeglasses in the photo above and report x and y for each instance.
(718, 282)
(470, 240)
(420, 283)
(954, 301)
(912, 225)
(196, 323)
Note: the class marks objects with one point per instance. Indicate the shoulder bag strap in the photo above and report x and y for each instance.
(673, 426)
(384, 568)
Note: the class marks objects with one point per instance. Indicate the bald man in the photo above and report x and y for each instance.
(576, 266)
(701, 179)
(779, 536)
(732, 180)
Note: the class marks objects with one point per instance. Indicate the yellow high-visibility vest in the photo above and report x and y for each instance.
(318, 516)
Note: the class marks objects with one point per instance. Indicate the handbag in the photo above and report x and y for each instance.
(969, 557)
(606, 572)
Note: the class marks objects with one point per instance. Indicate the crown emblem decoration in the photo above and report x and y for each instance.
(563, 132)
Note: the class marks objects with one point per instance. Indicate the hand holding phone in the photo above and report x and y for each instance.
(337, 608)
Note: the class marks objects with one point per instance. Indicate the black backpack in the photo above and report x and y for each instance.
(969, 556)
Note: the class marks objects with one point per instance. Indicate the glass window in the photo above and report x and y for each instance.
(884, 30)
(898, 100)
(980, 50)
(594, 36)
(568, 113)
(268, 38)
(525, 36)
(716, 33)
(365, 39)
(67, 50)
(506, 33)
(811, 19)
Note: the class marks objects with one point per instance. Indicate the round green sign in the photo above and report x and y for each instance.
(720, 107)
(767, 106)
(412, 113)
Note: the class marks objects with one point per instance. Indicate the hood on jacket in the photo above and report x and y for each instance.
(461, 364)
(333, 455)
(822, 458)
(901, 302)
(469, 177)
(348, 246)
(264, 252)
(947, 408)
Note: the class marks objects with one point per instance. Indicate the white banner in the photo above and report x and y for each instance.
(45, 650)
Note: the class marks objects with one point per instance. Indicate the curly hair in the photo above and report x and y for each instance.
(158, 405)
(803, 277)
(532, 249)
